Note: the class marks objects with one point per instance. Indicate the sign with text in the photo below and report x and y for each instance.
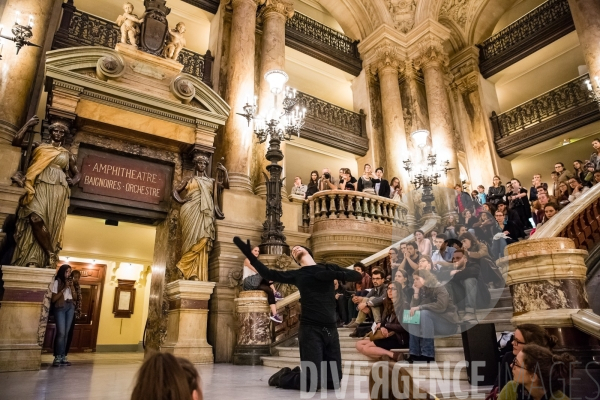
(125, 178)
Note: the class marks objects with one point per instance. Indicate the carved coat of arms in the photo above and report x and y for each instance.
(155, 27)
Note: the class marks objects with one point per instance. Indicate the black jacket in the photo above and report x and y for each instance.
(384, 188)
(496, 194)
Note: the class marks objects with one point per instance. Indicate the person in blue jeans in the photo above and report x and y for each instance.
(63, 294)
(437, 316)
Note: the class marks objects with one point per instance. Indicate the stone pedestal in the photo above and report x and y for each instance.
(9, 203)
(188, 317)
(547, 283)
(254, 334)
(20, 310)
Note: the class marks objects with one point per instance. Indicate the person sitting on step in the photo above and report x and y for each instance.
(253, 281)
(394, 335)
(372, 303)
(437, 316)
(462, 284)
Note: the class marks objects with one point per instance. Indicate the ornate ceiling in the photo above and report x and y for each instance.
(470, 21)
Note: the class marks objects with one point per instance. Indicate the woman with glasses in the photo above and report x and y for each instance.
(538, 374)
(524, 334)
(395, 337)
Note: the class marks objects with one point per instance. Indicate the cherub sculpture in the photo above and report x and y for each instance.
(130, 25)
(175, 42)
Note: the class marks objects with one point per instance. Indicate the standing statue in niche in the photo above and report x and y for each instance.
(130, 25)
(175, 42)
(43, 209)
(200, 207)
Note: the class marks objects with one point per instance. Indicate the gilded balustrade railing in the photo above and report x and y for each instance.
(78, 28)
(346, 204)
(560, 110)
(536, 29)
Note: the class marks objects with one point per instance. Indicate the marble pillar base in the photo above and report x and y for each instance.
(254, 334)
(188, 317)
(20, 310)
(239, 181)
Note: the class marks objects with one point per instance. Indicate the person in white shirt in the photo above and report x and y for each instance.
(63, 294)
(253, 281)
(423, 243)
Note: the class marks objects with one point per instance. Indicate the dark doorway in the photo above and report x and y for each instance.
(85, 332)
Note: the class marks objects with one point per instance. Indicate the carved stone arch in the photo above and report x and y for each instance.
(485, 18)
(427, 9)
(358, 18)
(457, 40)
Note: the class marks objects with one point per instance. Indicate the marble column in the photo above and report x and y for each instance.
(433, 61)
(188, 320)
(586, 15)
(272, 56)
(20, 310)
(387, 65)
(254, 334)
(236, 143)
(547, 283)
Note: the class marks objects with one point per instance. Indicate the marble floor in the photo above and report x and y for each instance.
(110, 376)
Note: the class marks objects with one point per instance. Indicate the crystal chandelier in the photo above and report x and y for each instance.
(426, 174)
(21, 34)
(283, 125)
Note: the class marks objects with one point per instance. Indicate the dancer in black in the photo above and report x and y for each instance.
(317, 336)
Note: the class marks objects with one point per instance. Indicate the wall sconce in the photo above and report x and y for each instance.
(21, 34)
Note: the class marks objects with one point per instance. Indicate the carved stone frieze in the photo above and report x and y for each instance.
(457, 11)
(110, 67)
(431, 53)
(403, 13)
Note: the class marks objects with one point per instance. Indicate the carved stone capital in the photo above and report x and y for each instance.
(466, 84)
(231, 4)
(431, 53)
(387, 56)
(283, 7)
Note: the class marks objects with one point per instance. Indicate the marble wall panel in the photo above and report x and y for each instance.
(548, 295)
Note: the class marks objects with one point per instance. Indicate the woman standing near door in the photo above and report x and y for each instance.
(75, 275)
(63, 294)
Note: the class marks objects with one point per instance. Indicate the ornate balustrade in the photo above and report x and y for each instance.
(551, 114)
(78, 28)
(346, 226)
(323, 43)
(334, 126)
(540, 27)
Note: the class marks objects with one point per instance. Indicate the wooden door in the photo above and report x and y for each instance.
(85, 332)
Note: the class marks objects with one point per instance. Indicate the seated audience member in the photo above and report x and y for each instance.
(382, 186)
(595, 157)
(468, 219)
(589, 175)
(437, 316)
(596, 177)
(460, 229)
(524, 334)
(550, 211)
(564, 193)
(387, 264)
(423, 243)
(539, 374)
(499, 242)
(411, 258)
(543, 199)
(450, 229)
(478, 251)
(577, 189)
(253, 281)
(366, 181)
(362, 286)
(484, 228)
(395, 189)
(464, 288)
(462, 201)
(313, 184)
(395, 336)
(496, 192)
(454, 243)
(371, 303)
(536, 183)
(342, 298)
(443, 256)
(401, 277)
(512, 218)
(399, 258)
(489, 207)
(476, 202)
(327, 181)
(432, 235)
(579, 170)
(481, 194)
(299, 189)
(347, 181)
(563, 174)
(164, 376)
(426, 263)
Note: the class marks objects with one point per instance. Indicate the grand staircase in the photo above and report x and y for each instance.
(449, 354)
